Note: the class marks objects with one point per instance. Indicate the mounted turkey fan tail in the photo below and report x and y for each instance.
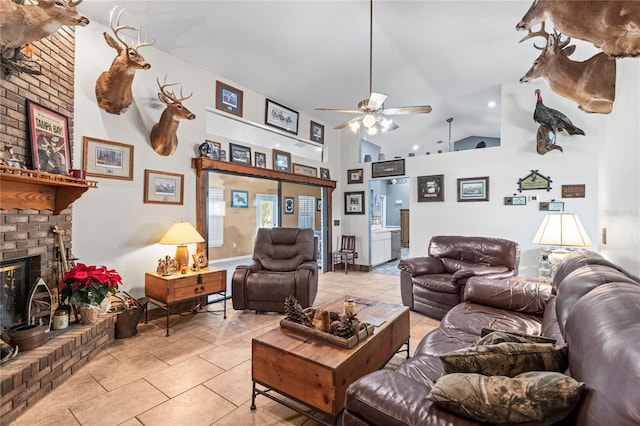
(553, 119)
(546, 141)
(373, 115)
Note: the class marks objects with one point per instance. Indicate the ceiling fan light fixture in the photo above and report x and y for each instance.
(355, 126)
(369, 121)
(372, 131)
(386, 123)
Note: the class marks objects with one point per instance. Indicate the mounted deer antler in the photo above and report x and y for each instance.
(163, 134)
(613, 26)
(22, 24)
(113, 87)
(591, 83)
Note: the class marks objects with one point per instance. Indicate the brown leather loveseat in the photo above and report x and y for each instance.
(592, 306)
(284, 263)
(434, 284)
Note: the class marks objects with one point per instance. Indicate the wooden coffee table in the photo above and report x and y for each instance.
(310, 375)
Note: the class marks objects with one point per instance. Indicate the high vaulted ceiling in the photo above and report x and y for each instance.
(452, 55)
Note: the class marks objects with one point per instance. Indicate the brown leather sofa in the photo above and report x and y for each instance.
(284, 263)
(592, 305)
(434, 284)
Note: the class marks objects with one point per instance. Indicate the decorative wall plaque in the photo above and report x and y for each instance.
(534, 180)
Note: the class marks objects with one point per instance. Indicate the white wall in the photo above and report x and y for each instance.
(111, 225)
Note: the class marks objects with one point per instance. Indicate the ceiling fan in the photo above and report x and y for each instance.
(373, 115)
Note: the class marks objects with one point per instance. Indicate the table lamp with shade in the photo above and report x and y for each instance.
(561, 230)
(181, 234)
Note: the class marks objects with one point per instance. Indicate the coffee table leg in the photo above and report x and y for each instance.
(253, 397)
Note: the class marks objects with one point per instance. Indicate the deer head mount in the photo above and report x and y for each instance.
(591, 83)
(613, 26)
(21, 24)
(163, 134)
(113, 87)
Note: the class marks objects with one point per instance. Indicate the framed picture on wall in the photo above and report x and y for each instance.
(239, 199)
(354, 202)
(163, 187)
(228, 99)
(240, 154)
(473, 189)
(301, 169)
(355, 176)
(288, 205)
(49, 136)
(387, 168)
(281, 117)
(261, 160)
(316, 131)
(281, 160)
(430, 188)
(324, 173)
(107, 159)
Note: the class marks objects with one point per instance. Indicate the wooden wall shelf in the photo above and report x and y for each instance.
(30, 189)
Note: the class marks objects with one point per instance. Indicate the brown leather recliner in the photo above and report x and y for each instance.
(434, 284)
(284, 263)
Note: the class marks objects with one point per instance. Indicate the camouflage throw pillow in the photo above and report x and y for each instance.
(534, 398)
(529, 337)
(506, 359)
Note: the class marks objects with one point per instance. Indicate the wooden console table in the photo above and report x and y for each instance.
(165, 291)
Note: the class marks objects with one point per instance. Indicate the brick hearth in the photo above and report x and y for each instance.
(31, 375)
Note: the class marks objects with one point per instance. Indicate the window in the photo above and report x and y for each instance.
(306, 211)
(216, 217)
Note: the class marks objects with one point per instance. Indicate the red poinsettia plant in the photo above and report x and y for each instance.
(86, 284)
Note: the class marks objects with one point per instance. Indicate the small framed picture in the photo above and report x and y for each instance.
(473, 189)
(551, 206)
(107, 159)
(355, 176)
(281, 161)
(515, 201)
(261, 160)
(288, 205)
(324, 173)
(240, 154)
(228, 99)
(573, 191)
(163, 187)
(239, 199)
(301, 169)
(281, 117)
(200, 259)
(223, 155)
(319, 205)
(316, 132)
(430, 188)
(354, 202)
(49, 135)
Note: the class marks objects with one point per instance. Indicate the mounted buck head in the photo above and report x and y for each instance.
(113, 87)
(590, 83)
(163, 134)
(21, 24)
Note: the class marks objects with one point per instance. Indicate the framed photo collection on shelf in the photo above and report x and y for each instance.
(301, 169)
(239, 154)
(107, 159)
(281, 160)
(163, 187)
(49, 136)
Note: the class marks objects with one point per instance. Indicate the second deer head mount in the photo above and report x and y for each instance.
(113, 87)
(163, 134)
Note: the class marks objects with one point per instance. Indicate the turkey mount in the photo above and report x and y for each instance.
(551, 122)
(372, 113)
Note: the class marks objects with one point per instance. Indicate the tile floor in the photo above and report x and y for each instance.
(200, 375)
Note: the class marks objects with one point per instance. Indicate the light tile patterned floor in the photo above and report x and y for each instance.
(200, 375)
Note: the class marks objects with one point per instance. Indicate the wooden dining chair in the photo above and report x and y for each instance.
(347, 253)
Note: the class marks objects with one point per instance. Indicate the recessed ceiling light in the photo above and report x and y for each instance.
(491, 104)
(415, 147)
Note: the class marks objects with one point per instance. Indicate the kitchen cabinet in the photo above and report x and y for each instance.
(380, 247)
(404, 227)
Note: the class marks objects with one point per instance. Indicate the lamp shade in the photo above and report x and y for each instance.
(562, 229)
(181, 233)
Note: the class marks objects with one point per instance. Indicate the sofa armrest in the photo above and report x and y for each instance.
(499, 271)
(421, 265)
(518, 295)
(388, 398)
(311, 265)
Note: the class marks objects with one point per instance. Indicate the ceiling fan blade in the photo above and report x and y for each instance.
(375, 101)
(352, 111)
(348, 122)
(408, 110)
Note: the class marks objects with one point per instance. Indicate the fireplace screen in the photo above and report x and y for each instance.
(15, 290)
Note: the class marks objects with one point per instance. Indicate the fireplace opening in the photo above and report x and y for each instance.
(17, 277)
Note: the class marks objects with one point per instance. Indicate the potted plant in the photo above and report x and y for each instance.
(87, 287)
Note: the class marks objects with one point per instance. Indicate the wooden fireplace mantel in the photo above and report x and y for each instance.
(30, 189)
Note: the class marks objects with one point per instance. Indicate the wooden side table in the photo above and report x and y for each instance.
(165, 291)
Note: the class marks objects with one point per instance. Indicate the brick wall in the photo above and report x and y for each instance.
(26, 232)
